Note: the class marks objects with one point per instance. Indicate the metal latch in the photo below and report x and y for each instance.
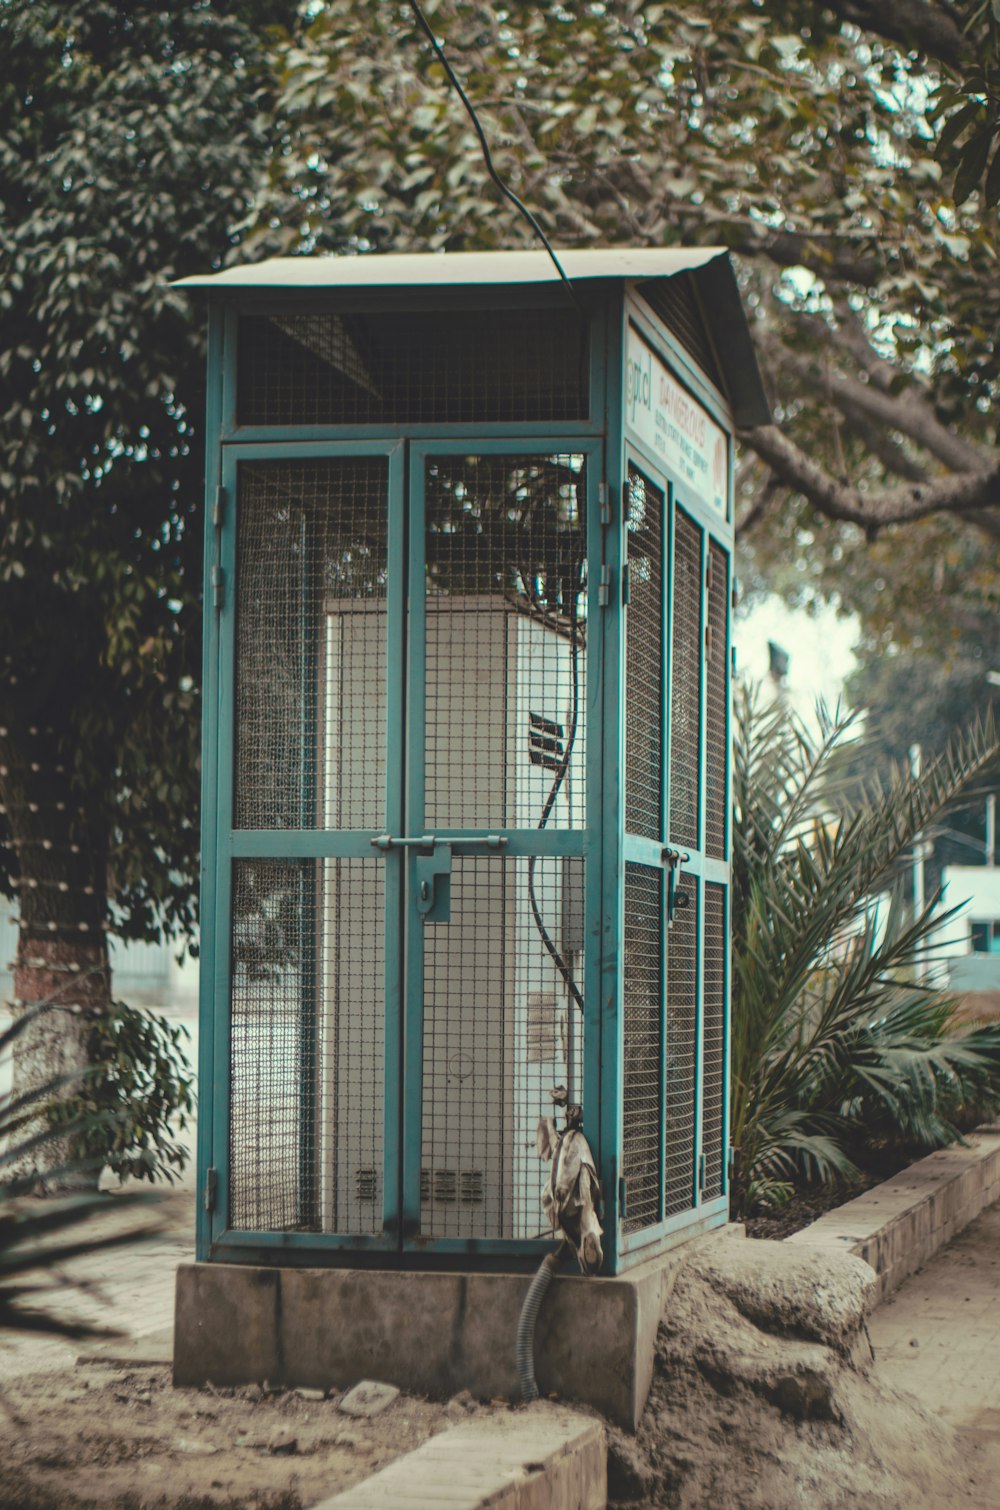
(432, 866)
(677, 897)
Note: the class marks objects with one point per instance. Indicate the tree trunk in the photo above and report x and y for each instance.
(60, 879)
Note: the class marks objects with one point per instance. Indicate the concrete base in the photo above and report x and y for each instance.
(898, 1226)
(430, 1333)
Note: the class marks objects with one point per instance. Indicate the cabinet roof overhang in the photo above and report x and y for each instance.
(709, 268)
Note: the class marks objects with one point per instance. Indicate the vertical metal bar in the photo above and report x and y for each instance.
(308, 1209)
(395, 775)
(416, 719)
(728, 851)
(224, 814)
(666, 597)
(609, 706)
(207, 1005)
(699, 1090)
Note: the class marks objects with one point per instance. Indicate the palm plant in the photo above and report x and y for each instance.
(837, 1040)
(37, 1238)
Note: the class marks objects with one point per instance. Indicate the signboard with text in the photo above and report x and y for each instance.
(674, 425)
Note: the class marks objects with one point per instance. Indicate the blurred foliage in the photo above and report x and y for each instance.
(136, 1095)
(130, 139)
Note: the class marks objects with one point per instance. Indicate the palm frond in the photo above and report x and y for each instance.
(831, 1024)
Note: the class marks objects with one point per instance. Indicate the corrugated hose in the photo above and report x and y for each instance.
(526, 1322)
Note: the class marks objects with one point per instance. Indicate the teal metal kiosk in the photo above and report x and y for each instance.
(466, 759)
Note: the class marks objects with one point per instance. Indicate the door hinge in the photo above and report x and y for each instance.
(626, 498)
(701, 1172)
(622, 1198)
(626, 584)
(604, 587)
(602, 496)
(211, 1188)
(730, 1161)
(219, 510)
(218, 587)
(708, 642)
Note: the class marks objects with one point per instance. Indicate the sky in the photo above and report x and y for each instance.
(819, 647)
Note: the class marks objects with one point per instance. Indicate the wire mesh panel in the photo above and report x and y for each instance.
(307, 1046)
(505, 711)
(682, 1031)
(644, 658)
(502, 1027)
(402, 367)
(717, 703)
(311, 644)
(685, 681)
(642, 1087)
(714, 1045)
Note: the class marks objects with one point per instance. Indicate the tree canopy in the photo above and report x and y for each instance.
(802, 136)
(825, 144)
(130, 137)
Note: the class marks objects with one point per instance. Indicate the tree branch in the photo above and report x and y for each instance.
(839, 500)
(931, 29)
(908, 412)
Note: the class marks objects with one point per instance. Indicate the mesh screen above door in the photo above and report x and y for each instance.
(307, 1046)
(714, 1051)
(401, 367)
(717, 704)
(644, 658)
(501, 1029)
(685, 681)
(506, 659)
(642, 1081)
(682, 1040)
(312, 558)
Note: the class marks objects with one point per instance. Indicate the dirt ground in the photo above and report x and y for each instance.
(756, 1403)
(125, 1437)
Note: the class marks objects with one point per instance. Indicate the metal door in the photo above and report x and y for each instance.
(308, 961)
(500, 642)
(401, 850)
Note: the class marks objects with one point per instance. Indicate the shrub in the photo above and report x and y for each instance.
(837, 1041)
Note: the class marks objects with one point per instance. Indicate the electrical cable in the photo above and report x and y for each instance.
(560, 776)
(488, 157)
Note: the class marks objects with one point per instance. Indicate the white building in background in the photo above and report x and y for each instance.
(146, 975)
(970, 942)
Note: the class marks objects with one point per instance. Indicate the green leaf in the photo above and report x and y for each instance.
(992, 187)
(972, 165)
(954, 126)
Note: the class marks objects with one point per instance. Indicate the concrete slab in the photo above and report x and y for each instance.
(429, 1333)
(542, 1458)
(899, 1225)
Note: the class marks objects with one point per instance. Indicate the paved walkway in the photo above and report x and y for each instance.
(130, 1288)
(939, 1338)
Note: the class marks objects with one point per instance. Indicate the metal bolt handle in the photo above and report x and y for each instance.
(428, 841)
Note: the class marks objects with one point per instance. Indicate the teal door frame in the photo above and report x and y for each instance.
(516, 842)
(229, 845)
(224, 845)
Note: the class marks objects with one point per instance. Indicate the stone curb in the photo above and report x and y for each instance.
(543, 1458)
(899, 1225)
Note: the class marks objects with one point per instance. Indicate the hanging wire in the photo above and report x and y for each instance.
(487, 155)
